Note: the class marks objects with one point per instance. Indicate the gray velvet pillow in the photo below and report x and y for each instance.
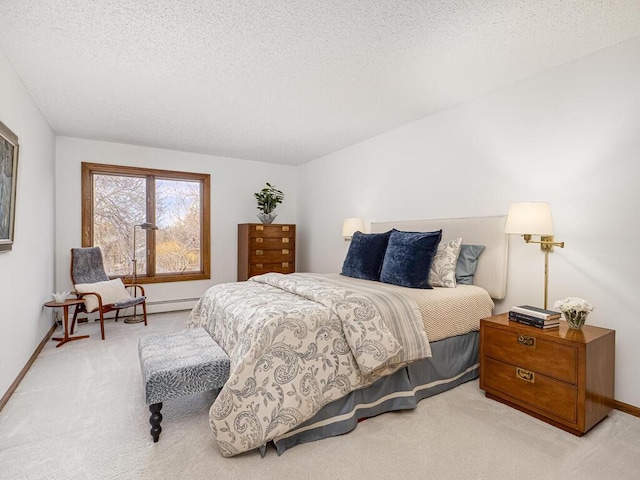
(467, 263)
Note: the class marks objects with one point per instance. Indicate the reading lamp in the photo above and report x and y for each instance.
(144, 226)
(351, 226)
(534, 218)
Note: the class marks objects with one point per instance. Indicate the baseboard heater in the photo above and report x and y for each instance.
(178, 300)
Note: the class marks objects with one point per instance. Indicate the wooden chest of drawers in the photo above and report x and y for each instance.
(265, 248)
(564, 377)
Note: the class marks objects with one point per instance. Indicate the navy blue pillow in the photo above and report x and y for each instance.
(408, 258)
(467, 263)
(365, 255)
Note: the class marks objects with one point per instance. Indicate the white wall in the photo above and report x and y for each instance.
(568, 136)
(26, 273)
(233, 183)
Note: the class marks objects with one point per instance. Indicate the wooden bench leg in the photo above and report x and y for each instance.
(155, 419)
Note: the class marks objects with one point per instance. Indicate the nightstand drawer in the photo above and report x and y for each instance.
(522, 347)
(531, 389)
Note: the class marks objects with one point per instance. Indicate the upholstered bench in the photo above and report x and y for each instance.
(176, 364)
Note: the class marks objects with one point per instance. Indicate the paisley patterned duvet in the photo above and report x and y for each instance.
(296, 343)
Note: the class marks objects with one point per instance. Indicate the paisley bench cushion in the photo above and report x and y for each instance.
(181, 363)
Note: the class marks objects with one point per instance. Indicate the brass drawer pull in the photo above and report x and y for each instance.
(285, 264)
(285, 228)
(259, 228)
(259, 240)
(285, 251)
(525, 375)
(259, 252)
(285, 240)
(526, 341)
(259, 265)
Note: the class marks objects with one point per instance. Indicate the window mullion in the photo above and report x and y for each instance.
(151, 234)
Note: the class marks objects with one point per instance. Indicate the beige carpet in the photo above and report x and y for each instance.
(80, 414)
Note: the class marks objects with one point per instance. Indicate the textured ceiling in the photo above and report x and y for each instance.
(284, 81)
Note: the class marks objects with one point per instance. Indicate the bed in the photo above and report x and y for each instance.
(313, 354)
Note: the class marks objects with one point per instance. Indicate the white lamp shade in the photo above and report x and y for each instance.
(533, 218)
(351, 225)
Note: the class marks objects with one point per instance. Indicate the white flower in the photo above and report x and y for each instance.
(573, 304)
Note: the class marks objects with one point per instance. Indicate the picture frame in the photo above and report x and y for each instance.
(8, 184)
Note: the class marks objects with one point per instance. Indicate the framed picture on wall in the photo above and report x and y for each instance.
(8, 184)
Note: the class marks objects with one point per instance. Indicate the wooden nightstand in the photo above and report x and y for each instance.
(561, 376)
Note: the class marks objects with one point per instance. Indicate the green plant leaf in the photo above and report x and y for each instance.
(268, 198)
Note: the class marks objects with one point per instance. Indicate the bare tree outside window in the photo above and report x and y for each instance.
(118, 204)
(123, 197)
(178, 220)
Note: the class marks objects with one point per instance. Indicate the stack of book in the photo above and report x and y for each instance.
(534, 316)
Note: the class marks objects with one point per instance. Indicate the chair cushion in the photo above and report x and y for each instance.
(111, 291)
(130, 302)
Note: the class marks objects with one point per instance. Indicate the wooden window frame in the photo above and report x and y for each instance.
(90, 169)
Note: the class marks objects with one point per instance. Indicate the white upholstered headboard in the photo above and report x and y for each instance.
(488, 231)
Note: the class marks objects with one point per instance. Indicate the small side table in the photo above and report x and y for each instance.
(65, 305)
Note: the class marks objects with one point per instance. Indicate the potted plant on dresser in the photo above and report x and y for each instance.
(268, 199)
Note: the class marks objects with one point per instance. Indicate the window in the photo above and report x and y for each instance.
(120, 203)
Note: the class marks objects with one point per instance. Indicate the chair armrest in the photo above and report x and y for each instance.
(98, 296)
(135, 286)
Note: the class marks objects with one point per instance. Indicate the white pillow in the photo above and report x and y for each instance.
(111, 291)
(443, 266)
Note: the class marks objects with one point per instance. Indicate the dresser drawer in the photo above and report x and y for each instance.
(266, 231)
(532, 389)
(532, 352)
(281, 267)
(271, 256)
(272, 243)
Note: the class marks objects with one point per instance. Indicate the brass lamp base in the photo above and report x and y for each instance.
(546, 245)
(134, 319)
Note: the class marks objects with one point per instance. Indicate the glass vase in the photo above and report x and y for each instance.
(267, 218)
(575, 320)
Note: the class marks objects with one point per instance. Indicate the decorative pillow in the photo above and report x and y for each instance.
(443, 267)
(111, 291)
(365, 255)
(408, 258)
(467, 263)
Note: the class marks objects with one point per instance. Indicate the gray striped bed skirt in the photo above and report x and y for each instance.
(454, 361)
